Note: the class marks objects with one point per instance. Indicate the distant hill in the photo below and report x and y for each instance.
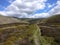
(6, 20)
(53, 20)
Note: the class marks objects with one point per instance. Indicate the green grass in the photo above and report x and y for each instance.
(22, 32)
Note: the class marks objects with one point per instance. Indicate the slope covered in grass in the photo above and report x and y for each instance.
(51, 27)
(7, 20)
(21, 33)
(53, 20)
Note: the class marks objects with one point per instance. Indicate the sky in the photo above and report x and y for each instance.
(29, 8)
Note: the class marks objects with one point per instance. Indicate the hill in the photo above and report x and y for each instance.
(7, 20)
(53, 20)
(50, 27)
(15, 31)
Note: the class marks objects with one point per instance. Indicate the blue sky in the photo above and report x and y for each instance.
(4, 4)
(42, 7)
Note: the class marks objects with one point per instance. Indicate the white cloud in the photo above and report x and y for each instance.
(2, 13)
(53, 11)
(24, 8)
(41, 15)
(56, 9)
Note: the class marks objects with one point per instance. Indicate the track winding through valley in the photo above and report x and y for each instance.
(36, 38)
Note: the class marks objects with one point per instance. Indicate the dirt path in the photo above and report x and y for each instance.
(36, 38)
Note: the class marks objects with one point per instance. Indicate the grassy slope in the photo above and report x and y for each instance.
(17, 34)
(6, 20)
(51, 27)
(23, 35)
(53, 20)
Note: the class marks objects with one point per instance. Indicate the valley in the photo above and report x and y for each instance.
(45, 31)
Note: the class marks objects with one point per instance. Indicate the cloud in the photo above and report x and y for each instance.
(56, 9)
(53, 11)
(24, 8)
(41, 15)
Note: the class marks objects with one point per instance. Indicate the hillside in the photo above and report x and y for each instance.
(53, 20)
(50, 27)
(7, 20)
(14, 31)
(42, 31)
